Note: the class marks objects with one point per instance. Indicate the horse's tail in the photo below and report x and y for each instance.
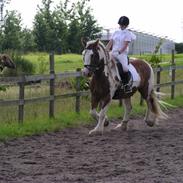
(155, 104)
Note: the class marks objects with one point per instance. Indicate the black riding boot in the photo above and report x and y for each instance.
(127, 85)
(120, 69)
(125, 78)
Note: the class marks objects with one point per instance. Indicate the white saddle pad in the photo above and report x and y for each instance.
(135, 75)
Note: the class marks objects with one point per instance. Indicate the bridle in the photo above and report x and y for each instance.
(96, 67)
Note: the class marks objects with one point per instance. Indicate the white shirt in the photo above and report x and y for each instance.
(119, 37)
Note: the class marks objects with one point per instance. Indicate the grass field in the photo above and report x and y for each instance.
(70, 62)
(36, 115)
(65, 62)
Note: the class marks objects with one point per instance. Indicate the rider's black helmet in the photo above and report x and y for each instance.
(124, 21)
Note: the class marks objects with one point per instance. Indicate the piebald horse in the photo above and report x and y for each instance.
(105, 86)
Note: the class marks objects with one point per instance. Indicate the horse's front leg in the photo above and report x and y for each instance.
(95, 114)
(127, 109)
(101, 119)
(94, 105)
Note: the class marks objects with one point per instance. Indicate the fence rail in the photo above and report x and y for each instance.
(22, 81)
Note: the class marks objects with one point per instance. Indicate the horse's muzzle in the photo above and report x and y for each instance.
(86, 72)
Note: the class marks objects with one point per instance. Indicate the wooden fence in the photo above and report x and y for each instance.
(23, 80)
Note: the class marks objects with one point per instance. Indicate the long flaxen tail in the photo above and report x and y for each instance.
(156, 103)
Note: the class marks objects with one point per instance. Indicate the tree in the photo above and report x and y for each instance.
(62, 28)
(41, 29)
(80, 22)
(12, 31)
(1, 39)
(74, 37)
(49, 29)
(27, 41)
(88, 24)
(179, 47)
(60, 32)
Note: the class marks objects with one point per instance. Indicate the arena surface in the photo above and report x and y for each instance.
(140, 155)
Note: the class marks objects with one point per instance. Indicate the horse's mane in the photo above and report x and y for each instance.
(104, 49)
(101, 44)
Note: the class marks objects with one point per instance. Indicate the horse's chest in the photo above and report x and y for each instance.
(100, 87)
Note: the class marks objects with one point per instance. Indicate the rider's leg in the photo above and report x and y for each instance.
(123, 59)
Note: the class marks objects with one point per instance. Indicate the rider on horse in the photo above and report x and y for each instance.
(119, 43)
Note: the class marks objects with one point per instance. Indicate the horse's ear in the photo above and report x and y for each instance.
(96, 43)
(84, 41)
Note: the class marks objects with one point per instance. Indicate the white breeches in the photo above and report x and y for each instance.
(123, 59)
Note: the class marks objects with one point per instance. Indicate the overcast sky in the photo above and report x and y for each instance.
(157, 17)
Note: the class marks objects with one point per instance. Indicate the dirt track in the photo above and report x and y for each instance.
(142, 155)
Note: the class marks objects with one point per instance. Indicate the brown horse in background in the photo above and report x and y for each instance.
(6, 61)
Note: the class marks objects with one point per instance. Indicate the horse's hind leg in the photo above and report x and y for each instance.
(149, 117)
(127, 109)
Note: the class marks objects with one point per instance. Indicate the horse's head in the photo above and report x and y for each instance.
(93, 57)
(6, 61)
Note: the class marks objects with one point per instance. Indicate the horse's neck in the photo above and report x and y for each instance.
(110, 68)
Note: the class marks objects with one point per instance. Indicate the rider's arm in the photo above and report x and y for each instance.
(124, 47)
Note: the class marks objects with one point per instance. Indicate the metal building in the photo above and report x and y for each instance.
(144, 43)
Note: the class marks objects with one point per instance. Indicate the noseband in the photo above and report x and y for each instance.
(95, 68)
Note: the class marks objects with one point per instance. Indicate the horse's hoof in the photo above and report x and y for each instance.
(106, 123)
(150, 123)
(124, 127)
(95, 132)
(117, 127)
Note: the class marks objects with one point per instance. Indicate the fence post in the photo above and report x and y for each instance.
(21, 100)
(173, 76)
(77, 106)
(158, 78)
(52, 86)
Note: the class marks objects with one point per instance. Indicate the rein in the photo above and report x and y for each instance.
(94, 68)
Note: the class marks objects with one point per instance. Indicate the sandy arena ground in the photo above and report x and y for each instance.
(142, 154)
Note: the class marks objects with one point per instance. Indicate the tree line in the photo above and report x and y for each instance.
(179, 47)
(58, 28)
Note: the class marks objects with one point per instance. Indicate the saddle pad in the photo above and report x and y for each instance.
(135, 75)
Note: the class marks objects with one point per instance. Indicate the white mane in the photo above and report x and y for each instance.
(111, 67)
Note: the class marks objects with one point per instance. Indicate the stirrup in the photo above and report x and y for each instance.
(127, 88)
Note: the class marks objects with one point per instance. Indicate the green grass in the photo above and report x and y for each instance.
(14, 130)
(166, 59)
(70, 62)
(68, 119)
(65, 62)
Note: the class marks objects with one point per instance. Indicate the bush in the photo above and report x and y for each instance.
(156, 59)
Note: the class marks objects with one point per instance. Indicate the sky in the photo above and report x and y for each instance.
(157, 17)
